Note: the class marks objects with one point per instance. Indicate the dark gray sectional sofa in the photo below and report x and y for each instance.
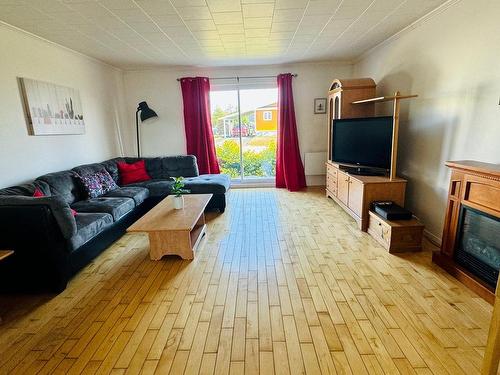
(51, 244)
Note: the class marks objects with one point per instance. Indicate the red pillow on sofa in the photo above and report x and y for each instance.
(39, 194)
(135, 172)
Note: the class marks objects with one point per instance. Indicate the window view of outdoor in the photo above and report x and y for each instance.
(246, 150)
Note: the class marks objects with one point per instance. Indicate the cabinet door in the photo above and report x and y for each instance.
(355, 196)
(343, 187)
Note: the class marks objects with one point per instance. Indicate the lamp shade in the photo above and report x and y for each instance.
(146, 112)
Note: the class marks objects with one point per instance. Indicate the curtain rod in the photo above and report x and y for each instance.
(238, 77)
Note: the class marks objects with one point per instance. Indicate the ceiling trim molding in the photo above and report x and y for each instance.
(34, 36)
(412, 26)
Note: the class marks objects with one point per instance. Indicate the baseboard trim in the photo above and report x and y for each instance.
(435, 240)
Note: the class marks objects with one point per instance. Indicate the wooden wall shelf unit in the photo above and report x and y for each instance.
(352, 98)
(476, 185)
(355, 194)
(395, 127)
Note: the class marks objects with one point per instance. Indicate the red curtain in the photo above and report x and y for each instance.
(289, 167)
(198, 124)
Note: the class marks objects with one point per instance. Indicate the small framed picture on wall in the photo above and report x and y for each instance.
(319, 105)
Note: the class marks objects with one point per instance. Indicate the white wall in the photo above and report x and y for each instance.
(24, 157)
(452, 61)
(165, 135)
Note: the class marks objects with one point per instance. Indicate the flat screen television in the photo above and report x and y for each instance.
(363, 142)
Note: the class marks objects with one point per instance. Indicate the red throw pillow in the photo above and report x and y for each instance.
(39, 194)
(135, 172)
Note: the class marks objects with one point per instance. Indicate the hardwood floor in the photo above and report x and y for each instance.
(283, 283)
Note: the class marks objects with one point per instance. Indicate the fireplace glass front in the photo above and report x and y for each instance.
(478, 245)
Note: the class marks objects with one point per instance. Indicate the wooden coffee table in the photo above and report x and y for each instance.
(171, 231)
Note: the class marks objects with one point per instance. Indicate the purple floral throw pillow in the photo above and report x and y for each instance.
(98, 183)
(92, 185)
(106, 181)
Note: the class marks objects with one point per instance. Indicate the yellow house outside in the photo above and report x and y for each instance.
(266, 118)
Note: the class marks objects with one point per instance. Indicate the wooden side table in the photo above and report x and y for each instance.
(5, 254)
(396, 235)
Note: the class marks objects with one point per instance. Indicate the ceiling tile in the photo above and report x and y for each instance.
(257, 32)
(258, 10)
(201, 25)
(195, 13)
(227, 18)
(187, 3)
(258, 22)
(224, 5)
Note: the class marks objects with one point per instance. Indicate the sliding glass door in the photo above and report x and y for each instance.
(245, 124)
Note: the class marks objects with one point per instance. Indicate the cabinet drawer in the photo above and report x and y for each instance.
(330, 169)
(331, 180)
(380, 230)
(332, 192)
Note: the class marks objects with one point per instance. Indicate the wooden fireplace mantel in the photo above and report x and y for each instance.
(475, 185)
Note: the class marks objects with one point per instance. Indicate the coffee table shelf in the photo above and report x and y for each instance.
(171, 231)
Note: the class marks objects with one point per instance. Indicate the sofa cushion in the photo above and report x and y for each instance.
(208, 183)
(157, 188)
(85, 169)
(111, 166)
(172, 166)
(116, 207)
(88, 226)
(65, 184)
(138, 194)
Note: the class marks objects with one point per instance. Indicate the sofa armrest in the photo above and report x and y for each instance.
(28, 206)
(32, 228)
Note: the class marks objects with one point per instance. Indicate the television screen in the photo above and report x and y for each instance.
(362, 141)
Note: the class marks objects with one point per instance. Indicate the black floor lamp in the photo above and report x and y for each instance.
(146, 113)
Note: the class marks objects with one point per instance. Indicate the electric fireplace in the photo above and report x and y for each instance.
(470, 247)
(478, 244)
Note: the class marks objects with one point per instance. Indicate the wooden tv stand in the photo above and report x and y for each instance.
(355, 194)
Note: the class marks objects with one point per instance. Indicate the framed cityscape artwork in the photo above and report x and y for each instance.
(51, 109)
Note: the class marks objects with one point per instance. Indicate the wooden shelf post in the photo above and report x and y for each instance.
(395, 135)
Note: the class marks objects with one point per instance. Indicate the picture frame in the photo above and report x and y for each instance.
(51, 109)
(320, 106)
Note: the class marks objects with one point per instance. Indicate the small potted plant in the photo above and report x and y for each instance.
(178, 190)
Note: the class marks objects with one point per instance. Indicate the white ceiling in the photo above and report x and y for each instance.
(133, 33)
